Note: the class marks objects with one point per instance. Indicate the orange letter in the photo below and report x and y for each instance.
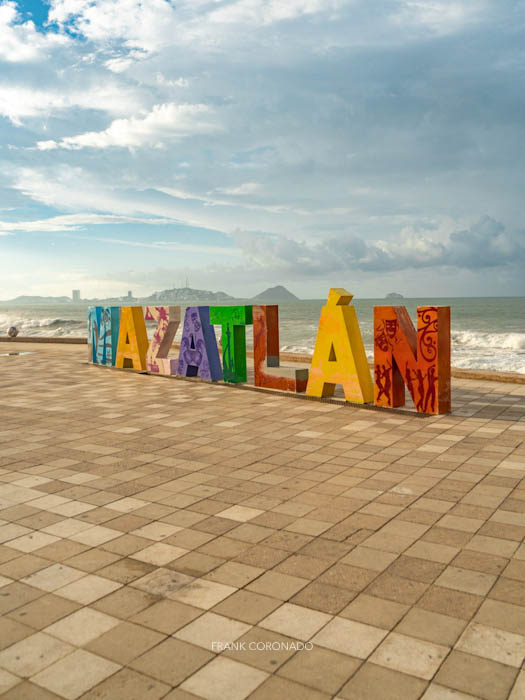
(266, 352)
(421, 360)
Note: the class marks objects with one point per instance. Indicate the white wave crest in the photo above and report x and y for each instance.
(479, 339)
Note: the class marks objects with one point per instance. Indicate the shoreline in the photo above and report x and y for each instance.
(456, 372)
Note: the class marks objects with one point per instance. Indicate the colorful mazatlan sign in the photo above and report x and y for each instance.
(418, 360)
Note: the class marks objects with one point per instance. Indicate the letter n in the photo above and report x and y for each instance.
(266, 353)
(168, 321)
(419, 360)
(132, 340)
(339, 354)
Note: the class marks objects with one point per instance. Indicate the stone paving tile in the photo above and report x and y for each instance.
(225, 678)
(72, 676)
(142, 535)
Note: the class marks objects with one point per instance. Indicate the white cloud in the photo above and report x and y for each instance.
(439, 16)
(75, 222)
(20, 42)
(245, 188)
(166, 246)
(148, 25)
(18, 102)
(165, 123)
(270, 11)
(485, 244)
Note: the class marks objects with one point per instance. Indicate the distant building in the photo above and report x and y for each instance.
(130, 295)
(75, 295)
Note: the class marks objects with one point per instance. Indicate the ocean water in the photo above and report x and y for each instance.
(487, 333)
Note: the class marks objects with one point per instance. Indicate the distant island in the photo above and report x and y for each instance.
(394, 295)
(278, 293)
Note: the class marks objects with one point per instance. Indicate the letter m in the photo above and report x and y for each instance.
(419, 360)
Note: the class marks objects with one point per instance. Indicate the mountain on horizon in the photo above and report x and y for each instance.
(37, 300)
(278, 293)
(187, 294)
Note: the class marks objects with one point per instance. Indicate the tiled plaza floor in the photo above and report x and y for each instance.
(144, 520)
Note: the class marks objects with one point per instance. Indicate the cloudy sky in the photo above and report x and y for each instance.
(377, 145)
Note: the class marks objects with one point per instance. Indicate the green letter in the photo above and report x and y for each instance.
(233, 320)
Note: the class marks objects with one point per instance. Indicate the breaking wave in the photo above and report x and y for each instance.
(44, 326)
(479, 339)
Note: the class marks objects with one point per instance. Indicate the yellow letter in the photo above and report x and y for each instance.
(132, 339)
(339, 354)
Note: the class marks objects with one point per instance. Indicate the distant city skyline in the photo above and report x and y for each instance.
(241, 144)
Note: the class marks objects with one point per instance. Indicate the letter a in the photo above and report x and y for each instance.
(132, 339)
(339, 354)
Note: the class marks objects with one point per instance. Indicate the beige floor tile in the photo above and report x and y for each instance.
(156, 531)
(160, 663)
(76, 674)
(12, 531)
(127, 505)
(295, 621)
(261, 648)
(307, 526)
(12, 631)
(125, 642)
(88, 589)
(480, 677)
(32, 542)
(224, 678)
(518, 691)
(95, 535)
(33, 654)
(212, 631)
(350, 637)
(323, 669)
(127, 684)
(466, 580)
(492, 643)
(247, 606)
(7, 681)
(368, 558)
(374, 611)
(277, 687)
(433, 551)
(166, 616)
(159, 554)
(492, 545)
(82, 626)
(53, 577)
(234, 573)
(240, 513)
(408, 655)
(435, 691)
(44, 611)
(163, 582)
(505, 616)
(372, 681)
(72, 508)
(202, 593)
(277, 585)
(431, 626)
(66, 527)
